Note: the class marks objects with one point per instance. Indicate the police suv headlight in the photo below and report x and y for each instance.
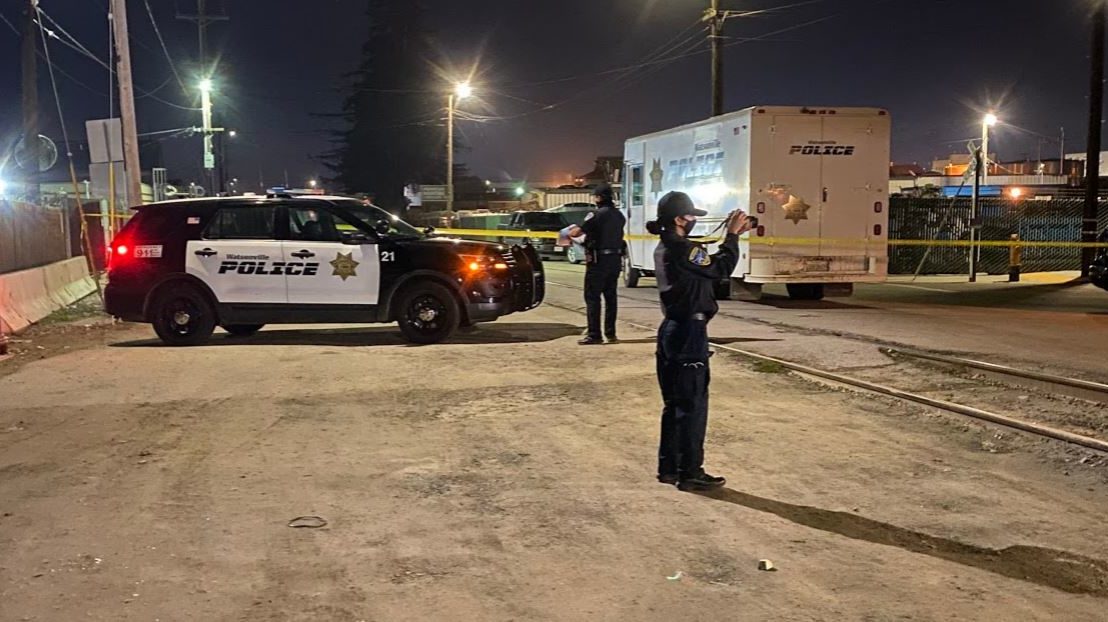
(478, 264)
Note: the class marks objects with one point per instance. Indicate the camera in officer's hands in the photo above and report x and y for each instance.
(753, 220)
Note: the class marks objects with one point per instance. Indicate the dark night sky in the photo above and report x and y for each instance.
(936, 64)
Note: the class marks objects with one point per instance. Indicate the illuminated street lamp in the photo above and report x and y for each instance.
(312, 183)
(990, 120)
(461, 90)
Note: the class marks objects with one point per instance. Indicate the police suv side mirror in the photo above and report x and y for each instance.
(382, 227)
(428, 230)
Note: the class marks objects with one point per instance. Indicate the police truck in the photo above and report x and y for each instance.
(815, 178)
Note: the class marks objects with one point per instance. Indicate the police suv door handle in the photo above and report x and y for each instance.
(206, 252)
(303, 254)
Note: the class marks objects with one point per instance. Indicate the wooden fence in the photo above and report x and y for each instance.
(32, 236)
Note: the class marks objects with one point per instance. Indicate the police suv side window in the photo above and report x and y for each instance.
(317, 225)
(241, 223)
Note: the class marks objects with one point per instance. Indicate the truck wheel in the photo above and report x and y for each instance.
(242, 330)
(428, 313)
(805, 291)
(631, 276)
(182, 316)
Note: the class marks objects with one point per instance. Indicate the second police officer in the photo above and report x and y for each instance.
(604, 249)
(687, 276)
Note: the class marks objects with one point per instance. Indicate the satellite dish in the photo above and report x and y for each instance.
(170, 191)
(47, 155)
(199, 191)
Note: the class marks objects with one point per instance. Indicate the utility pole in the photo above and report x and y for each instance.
(715, 37)
(202, 20)
(979, 163)
(30, 99)
(127, 105)
(1092, 154)
(450, 153)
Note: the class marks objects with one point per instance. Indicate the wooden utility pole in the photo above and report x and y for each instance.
(30, 99)
(715, 37)
(1092, 155)
(127, 105)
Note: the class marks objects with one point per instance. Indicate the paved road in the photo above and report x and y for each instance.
(1059, 327)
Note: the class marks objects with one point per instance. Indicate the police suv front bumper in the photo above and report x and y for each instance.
(524, 290)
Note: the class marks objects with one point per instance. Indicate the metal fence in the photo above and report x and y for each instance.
(942, 219)
(32, 235)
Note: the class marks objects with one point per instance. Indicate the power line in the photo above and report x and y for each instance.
(165, 50)
(84, 51)
(56, 68)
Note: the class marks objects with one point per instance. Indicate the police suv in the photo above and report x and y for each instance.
(243, 262)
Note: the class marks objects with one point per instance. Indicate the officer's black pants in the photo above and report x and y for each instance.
(601, 279)
(683, 375)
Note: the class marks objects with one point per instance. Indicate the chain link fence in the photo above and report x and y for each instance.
(943, 219)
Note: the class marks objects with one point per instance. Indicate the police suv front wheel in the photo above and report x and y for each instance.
(428, 313)
(182, 316)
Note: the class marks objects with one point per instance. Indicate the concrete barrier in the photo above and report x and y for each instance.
(27, 296)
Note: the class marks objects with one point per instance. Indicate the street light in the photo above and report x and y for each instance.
(232, 133)
(461, 90)
(990, 120)
(312, 183)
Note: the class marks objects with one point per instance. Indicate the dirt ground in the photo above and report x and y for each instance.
(508, 476)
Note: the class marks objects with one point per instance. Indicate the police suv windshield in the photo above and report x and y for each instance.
(371, 216)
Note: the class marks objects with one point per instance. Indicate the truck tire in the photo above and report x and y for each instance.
(428, 312)
(182, 316)
(631, 275)
(805, 291)
(242, 330)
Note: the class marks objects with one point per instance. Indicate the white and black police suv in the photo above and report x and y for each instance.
(243, 262)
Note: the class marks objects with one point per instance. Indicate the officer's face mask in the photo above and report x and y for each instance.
(688, 223)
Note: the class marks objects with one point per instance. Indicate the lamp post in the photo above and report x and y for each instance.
(989, 121)
(461, 90)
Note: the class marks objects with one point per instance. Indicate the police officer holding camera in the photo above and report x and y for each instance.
(687, 275)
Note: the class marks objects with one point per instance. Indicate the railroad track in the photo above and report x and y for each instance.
(1087, 388)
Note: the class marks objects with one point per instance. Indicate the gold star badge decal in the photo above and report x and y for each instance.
(344, 266)
(796, 210)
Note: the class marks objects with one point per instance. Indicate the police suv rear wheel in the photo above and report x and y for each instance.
(428, 313)
(242, 330)
(182, 316)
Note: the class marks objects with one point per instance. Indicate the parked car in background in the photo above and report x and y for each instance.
(545, 222)
(574, 214)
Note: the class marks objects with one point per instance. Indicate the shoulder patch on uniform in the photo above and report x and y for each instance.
(590, 215)
(699, 256)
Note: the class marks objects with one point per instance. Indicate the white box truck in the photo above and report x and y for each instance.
(817, 179)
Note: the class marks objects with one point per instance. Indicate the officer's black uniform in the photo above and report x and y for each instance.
(604, 245)
(686, 276)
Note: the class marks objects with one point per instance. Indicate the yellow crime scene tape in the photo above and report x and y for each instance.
(783, 241)
(770, 241)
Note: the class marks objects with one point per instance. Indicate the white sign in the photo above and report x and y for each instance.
(433, 193)
(209, 160)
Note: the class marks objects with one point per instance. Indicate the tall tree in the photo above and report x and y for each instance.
(393, 110)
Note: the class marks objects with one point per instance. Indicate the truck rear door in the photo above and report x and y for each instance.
(854, 158)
